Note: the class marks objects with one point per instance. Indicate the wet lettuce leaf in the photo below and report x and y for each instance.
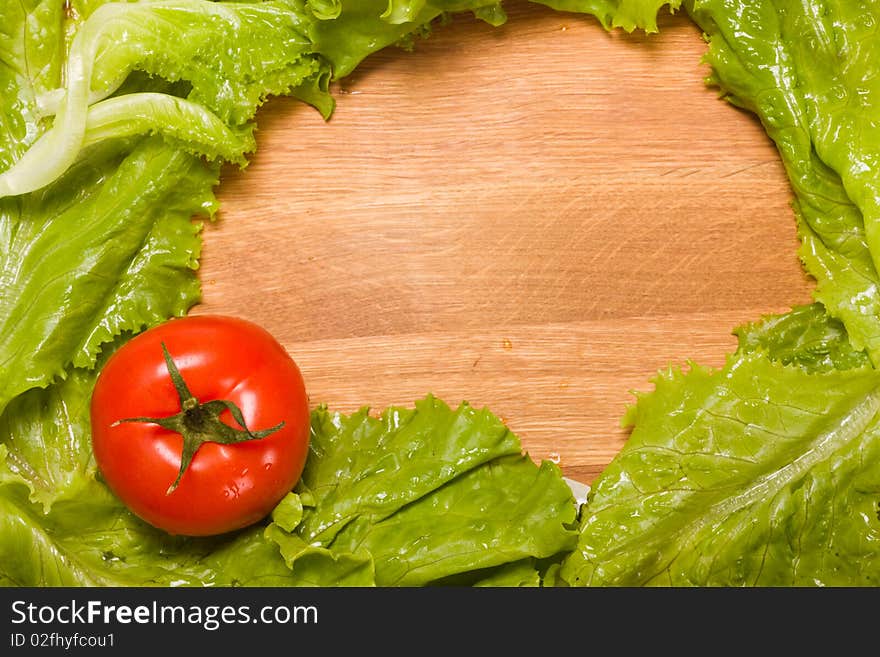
(347, 31)
(507, 510)
(804, 336)
(414, 450)
(626, 14)
(32, 43)
(66, 292)
(419, 495)
(90, 539)
(517, 574)
(232, 55)
(809, 71)
(757, 474)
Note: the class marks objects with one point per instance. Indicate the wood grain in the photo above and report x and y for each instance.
(534, 218)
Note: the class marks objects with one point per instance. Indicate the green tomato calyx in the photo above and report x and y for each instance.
(199, 422)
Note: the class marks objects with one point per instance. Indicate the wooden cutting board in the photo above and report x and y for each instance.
(534, 218)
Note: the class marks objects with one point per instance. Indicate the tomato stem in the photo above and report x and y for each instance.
(200, 423)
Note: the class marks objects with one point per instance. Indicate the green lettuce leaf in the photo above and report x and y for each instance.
(502, 512)
(233, 54)
(347, 31)
(805, 336)
(66, 292)
(90, 539)
(404, 499)
(517, 574)
(757, 474)
(626, 14)
(174, 40)
(46, 438)
(360, 466)
(182, 123)
(32, 43)
(418, 496)
(809, 72)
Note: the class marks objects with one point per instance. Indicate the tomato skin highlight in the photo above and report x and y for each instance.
(226, 486)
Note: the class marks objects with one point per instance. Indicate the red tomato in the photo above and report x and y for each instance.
(225, 486)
